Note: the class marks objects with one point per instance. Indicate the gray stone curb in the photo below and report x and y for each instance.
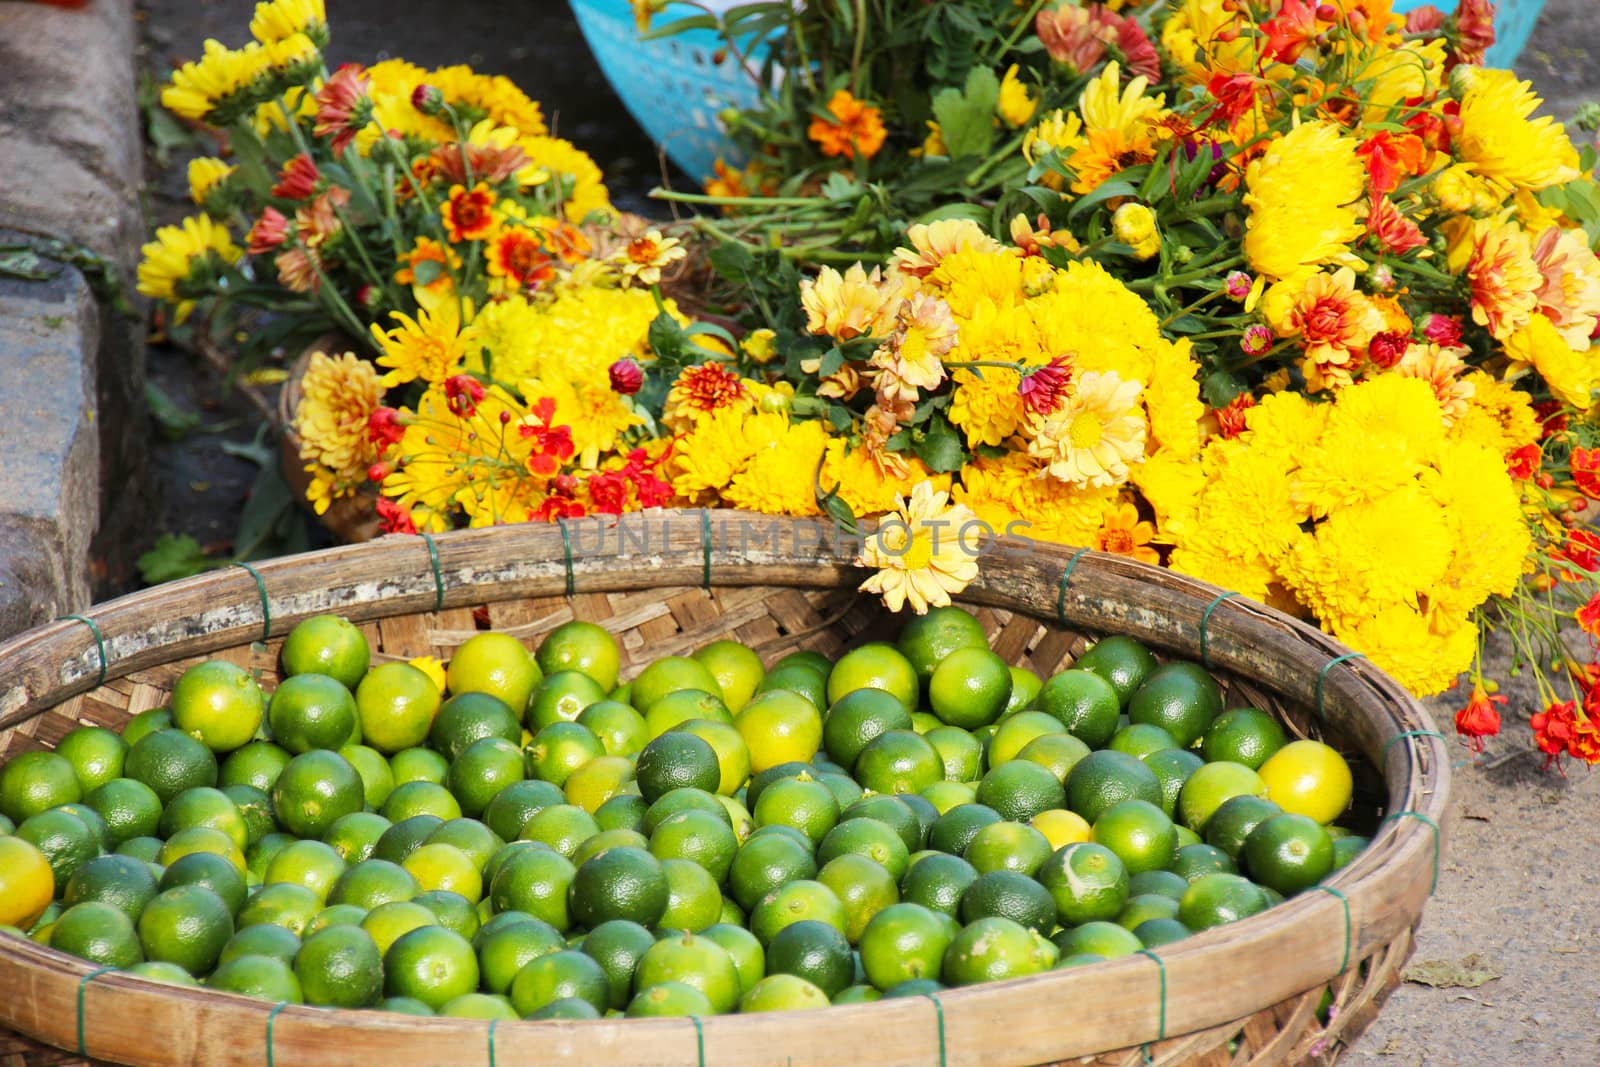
(71, 366)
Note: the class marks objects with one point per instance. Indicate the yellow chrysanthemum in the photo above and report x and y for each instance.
(1302, 198)
(1202, 37)
(577, 335)
(490, 96)
(973, 280)
(1499, 416)
(1400, 642)
(1016, 105)
(598, 415)
(1480, 502)
(868, 486)
(282, 19)
(780, 478)
(431, 346)
(1248, 501)
(850, 305)
(1171, 481)
(1060, 132)
(390, 84)
(1395, 75)
(1500, 140)
(924, 552)
(206, 173)
(1571, 374)
(338, 395)
(708, 457)
(988, 409)
(1093, 439)
(1120, 128)
(581, 184)
(1207, 554)
(179, 265)
(1377, 439)
(220, 74)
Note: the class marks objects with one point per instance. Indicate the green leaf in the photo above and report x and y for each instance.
(175, 423)
(174, 557)
(677, 26)
(832, 360)
(839, 418)
(426, 272)
(732, 261)
(1219, 388)
(940, 447)
(966, 117)
(1107, 190)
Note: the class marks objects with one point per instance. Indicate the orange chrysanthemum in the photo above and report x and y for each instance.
(1124, 534)
(469, 216)
(856, 129)
(518, 256)
(1334, 323)
(700, 391)
(1504, 278)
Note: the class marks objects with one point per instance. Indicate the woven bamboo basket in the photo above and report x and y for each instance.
(666, 582)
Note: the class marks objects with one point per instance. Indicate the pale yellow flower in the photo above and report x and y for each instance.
(1094, 438)
(924, 551)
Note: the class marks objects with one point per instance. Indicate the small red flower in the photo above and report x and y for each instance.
(1294, 28)
(1256, 340)
(552, 444)
(342, 106)
(1239, 284)
(1479, 719)
(1586, 471)
(559, 505)
(426, 99)
(379, 471)
(626, 376)
(1442, 330)
(1474, 30)
(384, 428)
(469, 216)
(1552, 418)
(269, 231)
(1043, 389)
(1235, 96)
(1523, 463)
(1582, 550)
(463, 393)
(1552, 728)
(1588, 616)
(1391, 159)
(394, 518)
(1387, 348)
(1231, 421)
(1391, 229)
(1420, 20)
(518, 255)
(298, 179)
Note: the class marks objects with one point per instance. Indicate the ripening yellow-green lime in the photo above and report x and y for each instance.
(584, 647)
(1308, 778)
(396, 704)
(496, 664)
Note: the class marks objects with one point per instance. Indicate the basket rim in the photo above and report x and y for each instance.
(1373, 901)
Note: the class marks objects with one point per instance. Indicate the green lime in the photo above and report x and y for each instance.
(749, 958)
(218, 704)
(561, 826)
(995, 948)
(285, 904)
(779, 727)
(255, 807)
(808, 683)
(929, 639)
(257, 764)
(895, 812)
(1218, 898)
(1180, 697)
(405, 837)
(130, 809)
(506, 949)
(451, 910)
(959, 751)
(96, 755)
(310, 711)
(1057, 753)
(263, 939)
(1084, 703)
(765, 863)
(1243, 735)
(121, 881)
(669, 1000)
(898, 761)
(937, 882)
(309, 863)
(445, 867)
(677, 760)
(372, 882)
(409, 799)
(1193, 862)
(581, 646)
(622, 730)
(418, 765)
(66, 841)
(970, 687)
(489, 1006)
(340, 967)
(737, 669)
(955, 829)
(1014, 733)
(1010, 895)
(1209, 786)
(1007, 845)
(315, 789)
(620, 883)
(405, 1006)
(211, 871)
(518, 802)
(1288, 852)
(678, 800)
(863, 887)
(877, 841)
(1088, 882)
(1172, 767)
(877, 665)
(802, 898)
(814, 951)
(186, 925)
(168, 761)
(1141, 907)
(946, 795)
(1121, 660)
(496, 664)
(536, 881)
(617, 945)
(260, 854)
(859, 717)
(1106, 940)
(99, 933)
(468, 717)
(1153, 933)
(355, 836)
(1346, 849)
(1166, 883)
(625, 811)
(782, 992)
(204, 806)
(327, 644)
(396, 703)
(698, 836)
(1104, 778)
(694, 960)
(598, 781)
(1142, 739)
(263, 977)
(1140, 833)
(561, 697)
(694, 901)
(429, 963)
(1021, 789)
(482, 770)
(669, 674)
(903, 942)
(146, 722)
(387, 923)
(1235, 818)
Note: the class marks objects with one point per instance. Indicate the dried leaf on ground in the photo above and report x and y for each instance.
(1469, 972)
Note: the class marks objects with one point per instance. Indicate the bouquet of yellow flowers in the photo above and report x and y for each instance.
(484, 284)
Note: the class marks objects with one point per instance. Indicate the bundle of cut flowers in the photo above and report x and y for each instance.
(1294, 297)
(471, 260)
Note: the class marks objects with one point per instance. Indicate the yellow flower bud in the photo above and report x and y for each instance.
(759, 345)
(1134, 224)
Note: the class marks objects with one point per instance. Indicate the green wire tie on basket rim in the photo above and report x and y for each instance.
(492, 1024)
(1061, 590)
(1349, 930)
(1322, 676)
(699, 1040)
(566, 555)
(1401, 736)
(99, 640)
(1430, 824)
(705, 546)
(1205, 620)
(266, 607)
(272, 1017)
(438, 575)
(1161, 971)
(83, 986)
(938, 1009)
